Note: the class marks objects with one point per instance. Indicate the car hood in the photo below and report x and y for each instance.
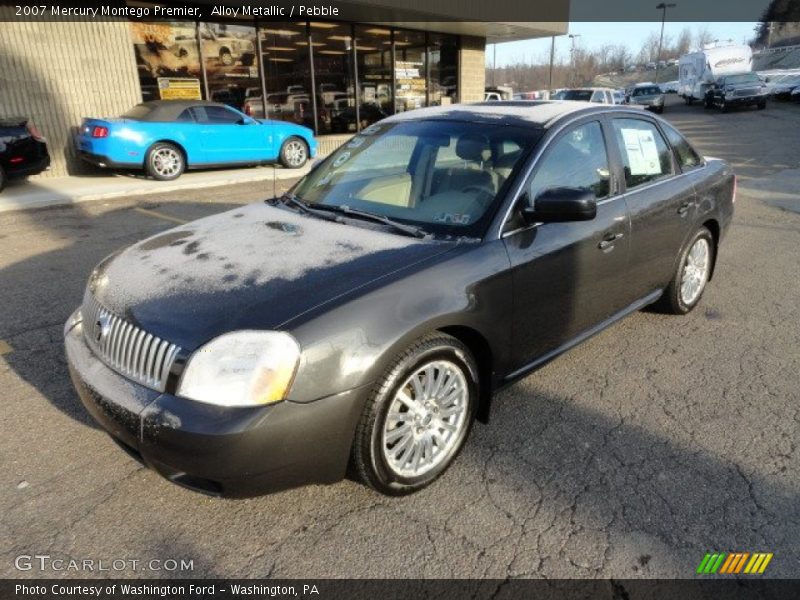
(254, 267)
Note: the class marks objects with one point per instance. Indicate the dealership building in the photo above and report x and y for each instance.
(333, 75)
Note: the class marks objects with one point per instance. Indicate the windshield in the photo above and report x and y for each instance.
(646, 91)
(743, 78)
(584, 95)
(446, 177)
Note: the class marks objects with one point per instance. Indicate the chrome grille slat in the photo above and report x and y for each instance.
(126, 348)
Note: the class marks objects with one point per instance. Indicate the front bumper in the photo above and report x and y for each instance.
(745, 100)
(215, 450)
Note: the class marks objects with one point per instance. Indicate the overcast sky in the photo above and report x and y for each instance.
(594, 35)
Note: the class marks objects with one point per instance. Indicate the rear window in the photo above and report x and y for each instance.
(584, 95)
(138, 112)
(646, 91)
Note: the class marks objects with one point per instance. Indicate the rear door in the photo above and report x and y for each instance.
(662, 203)
(568, 277)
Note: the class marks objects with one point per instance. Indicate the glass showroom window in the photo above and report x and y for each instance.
(374, 59)
(443, 69)
(231, 63)
(409, 70)
(332, 46)
(167, 51)
(287, 72)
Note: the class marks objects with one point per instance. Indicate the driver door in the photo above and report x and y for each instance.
(568, 277)
(228, 136)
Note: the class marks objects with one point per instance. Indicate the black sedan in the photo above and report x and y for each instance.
(367, 317)
(23, 150)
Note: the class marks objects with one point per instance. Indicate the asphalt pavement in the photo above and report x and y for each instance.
(633, 455)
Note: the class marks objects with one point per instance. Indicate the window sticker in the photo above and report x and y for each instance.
(640, 146)
(452, 218)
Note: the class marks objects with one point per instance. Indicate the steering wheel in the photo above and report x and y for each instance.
(484, 194)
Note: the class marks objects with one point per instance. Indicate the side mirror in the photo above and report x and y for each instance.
(561, 205)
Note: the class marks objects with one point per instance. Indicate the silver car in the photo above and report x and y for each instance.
(649, 96)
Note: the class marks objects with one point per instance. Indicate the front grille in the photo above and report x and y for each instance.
(126, 348)
(746, 92)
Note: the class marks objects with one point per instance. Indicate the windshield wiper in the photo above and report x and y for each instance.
(411, 230)
(290, 198)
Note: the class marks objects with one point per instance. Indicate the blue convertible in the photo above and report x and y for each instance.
(165, 137)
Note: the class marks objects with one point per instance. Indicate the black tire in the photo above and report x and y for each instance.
(723, 106)
(3, 179)
(367, 457)
(154, 162)
(761, 105)
(225, 57)
(689, 100)
(707, 103)
(289, 156)
(248, 59)
(660, 110)
(672, 301)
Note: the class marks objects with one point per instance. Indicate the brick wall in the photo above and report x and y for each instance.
(471, 69)
(58, 73)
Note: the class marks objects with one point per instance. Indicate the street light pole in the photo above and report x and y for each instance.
(662, 7)
(573, 37)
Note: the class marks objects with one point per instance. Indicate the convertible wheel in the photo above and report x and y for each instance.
(226, 58)
(294, 153)
(164, 162)
(418, 416)
(694, 269)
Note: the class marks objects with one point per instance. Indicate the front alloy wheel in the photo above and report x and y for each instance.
(294, 153)
(417, 417)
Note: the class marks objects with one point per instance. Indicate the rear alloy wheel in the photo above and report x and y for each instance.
(294, 153)
(165, 162)
(692, 274)
(417, 417)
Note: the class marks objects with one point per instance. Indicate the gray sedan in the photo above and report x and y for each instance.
(649, 96)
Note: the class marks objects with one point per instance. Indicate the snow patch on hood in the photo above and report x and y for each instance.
(245, 247)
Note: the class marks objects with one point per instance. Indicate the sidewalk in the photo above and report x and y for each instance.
(56, 191)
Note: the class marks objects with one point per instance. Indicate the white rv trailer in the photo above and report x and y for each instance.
(698, 70)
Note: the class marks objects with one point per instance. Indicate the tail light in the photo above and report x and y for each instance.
(735, 184)
(99, 131)
(35, 133)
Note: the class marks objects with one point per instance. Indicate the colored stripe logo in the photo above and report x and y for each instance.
(734, 563)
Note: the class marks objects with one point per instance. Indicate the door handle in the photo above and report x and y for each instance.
(609, 239)
(684, 208)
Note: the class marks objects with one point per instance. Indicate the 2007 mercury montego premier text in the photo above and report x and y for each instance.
(367, 317)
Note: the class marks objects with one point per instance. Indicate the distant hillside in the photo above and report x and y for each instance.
(789, 59)
(624, 80)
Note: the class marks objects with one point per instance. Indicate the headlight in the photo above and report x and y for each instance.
(244, 368)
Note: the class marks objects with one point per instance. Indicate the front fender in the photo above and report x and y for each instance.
(351, 344)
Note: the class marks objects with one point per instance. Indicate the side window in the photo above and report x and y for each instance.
(576, 159)
(645, 155)
(687, 157)
(597, 96)
(185, 116)
(218, 115)
(609, 99)
(199, 114)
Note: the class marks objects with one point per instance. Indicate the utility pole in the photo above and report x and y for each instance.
(662, 7)
(572, 37)
(494, 63)
(552, 57)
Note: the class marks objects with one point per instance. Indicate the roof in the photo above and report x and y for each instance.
(541, 113)
(169, 110)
